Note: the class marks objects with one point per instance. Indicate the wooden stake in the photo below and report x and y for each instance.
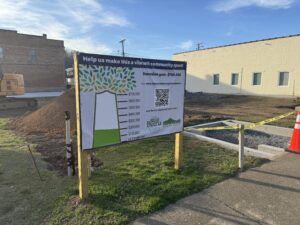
(82, 155)
(178, 150)
(241, 145)
(34, 163)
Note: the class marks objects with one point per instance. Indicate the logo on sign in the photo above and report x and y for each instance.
(171, 121)
(153, 122)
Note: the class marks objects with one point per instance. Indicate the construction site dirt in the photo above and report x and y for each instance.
(45, 126)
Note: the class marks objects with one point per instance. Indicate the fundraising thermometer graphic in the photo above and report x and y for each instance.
(106, 124)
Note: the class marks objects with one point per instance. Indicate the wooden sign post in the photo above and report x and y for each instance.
(82, 155)
(178, 150)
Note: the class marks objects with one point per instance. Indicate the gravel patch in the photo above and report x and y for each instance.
(252, 138)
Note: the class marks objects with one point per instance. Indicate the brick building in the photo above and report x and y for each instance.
(39, 59)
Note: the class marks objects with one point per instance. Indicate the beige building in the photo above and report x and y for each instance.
(39, 59)
(264, 67)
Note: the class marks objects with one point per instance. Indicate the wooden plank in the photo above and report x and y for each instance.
(82, 156)
(178, 150)
(89, 166)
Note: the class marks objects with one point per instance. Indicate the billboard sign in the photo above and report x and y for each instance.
(123, 99)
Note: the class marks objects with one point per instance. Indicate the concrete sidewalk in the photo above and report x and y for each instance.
(269, 194)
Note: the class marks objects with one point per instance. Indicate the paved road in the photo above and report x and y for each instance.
(269, 194)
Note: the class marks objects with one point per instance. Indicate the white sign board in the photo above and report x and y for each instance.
(124, 99)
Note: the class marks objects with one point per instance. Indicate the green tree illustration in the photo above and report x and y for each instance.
(97, 79)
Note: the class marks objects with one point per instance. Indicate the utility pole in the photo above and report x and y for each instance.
(199, 45)
(122, 42)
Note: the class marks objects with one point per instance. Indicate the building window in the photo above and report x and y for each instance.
(283, 79)
(32, 56)
(216, 79)
(234, 79)
(1, 53)
(256, 79)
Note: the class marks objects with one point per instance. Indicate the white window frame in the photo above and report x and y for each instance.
(213, 76)
(238, 76)
(278, 83)
(260, 79)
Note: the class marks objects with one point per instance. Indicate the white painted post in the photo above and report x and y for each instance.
(70, 160)
(241, 145)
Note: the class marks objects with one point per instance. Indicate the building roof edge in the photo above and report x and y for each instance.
(240, 43)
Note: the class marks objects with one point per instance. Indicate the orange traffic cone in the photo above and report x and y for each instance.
(295, 141)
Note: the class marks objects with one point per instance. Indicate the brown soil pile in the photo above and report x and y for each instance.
(50, 118)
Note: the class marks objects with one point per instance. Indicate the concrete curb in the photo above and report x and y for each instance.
(248, 151)
(263, 151)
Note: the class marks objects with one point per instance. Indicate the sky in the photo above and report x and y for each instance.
(152, 28)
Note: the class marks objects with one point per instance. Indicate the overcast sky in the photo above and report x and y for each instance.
(153, 28)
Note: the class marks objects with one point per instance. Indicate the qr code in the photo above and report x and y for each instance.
(161, 97)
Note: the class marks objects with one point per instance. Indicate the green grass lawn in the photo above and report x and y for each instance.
(138, 178)
(24, 199)
(135, 179)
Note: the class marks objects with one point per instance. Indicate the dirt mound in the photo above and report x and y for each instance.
(50, 118)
